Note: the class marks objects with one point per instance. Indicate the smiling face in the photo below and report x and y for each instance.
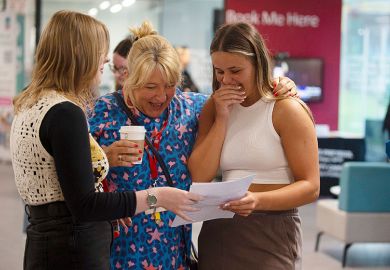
(235, 69)
(155, 95)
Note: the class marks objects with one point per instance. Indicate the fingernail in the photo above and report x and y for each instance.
(136, 145)
(274, 84)
(275, 94)
(226, 205)
(139, 158)
(140, 151)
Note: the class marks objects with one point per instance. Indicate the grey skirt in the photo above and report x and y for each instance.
(264, 240)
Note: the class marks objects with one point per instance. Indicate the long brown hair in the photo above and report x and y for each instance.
(243, 38)
(67, 59)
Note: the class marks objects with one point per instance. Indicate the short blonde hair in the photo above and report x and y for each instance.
(67, 58)
(150, 51)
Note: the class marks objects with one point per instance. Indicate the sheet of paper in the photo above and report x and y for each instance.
(215, 194)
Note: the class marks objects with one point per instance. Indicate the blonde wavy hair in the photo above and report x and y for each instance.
(150, 51)
(67, 59)
(244, 39)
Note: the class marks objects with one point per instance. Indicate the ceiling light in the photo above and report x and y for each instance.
(104, 5)
(116, 8)
(93, 12)
(127, 3)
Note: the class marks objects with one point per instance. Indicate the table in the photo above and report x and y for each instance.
(333, 152)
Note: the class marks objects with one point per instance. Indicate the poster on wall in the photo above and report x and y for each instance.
(8, 62)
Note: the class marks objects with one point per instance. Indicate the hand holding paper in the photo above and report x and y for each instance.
(214, 195)
(243, 206)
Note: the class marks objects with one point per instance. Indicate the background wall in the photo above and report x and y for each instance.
(182, 22)
(365, 53)
(190, 23)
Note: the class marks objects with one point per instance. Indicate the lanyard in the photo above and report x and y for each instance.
(156, 140)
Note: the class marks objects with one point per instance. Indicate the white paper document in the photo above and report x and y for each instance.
(215, 194)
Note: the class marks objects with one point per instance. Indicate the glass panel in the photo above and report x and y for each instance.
(365, 64)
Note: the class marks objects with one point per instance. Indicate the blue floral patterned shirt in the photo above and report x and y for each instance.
(146, 244)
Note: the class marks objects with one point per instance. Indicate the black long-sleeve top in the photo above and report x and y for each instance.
(64, 135)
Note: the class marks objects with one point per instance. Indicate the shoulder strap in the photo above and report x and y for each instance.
(130, 115)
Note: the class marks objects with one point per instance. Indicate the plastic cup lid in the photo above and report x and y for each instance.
(132, 129)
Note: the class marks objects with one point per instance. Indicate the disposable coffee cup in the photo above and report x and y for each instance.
(135, 134)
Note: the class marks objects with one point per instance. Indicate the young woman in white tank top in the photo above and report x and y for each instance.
(245, 129)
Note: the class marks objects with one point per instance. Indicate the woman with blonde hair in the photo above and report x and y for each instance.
(245, 130)
(151, 97)
(58, 166)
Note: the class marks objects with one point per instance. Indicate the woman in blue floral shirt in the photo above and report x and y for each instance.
(170, 118)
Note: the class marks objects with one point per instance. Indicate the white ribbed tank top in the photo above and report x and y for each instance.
(252, 146)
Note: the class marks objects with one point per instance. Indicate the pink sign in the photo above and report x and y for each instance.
(302, 28)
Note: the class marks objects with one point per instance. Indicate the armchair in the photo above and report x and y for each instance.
(362, 211)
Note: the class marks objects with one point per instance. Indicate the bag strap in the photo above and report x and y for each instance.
(130, 115)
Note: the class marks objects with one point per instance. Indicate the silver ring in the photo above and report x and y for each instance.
(120, 157)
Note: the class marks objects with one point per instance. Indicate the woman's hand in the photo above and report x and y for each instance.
(176, 200)
(285, 87)
(122, 153)
(226, 96)
(244, 206)
(125, 222)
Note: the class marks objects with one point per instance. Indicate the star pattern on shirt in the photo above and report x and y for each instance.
(155, 235)
(182, 129)
(148, 266)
